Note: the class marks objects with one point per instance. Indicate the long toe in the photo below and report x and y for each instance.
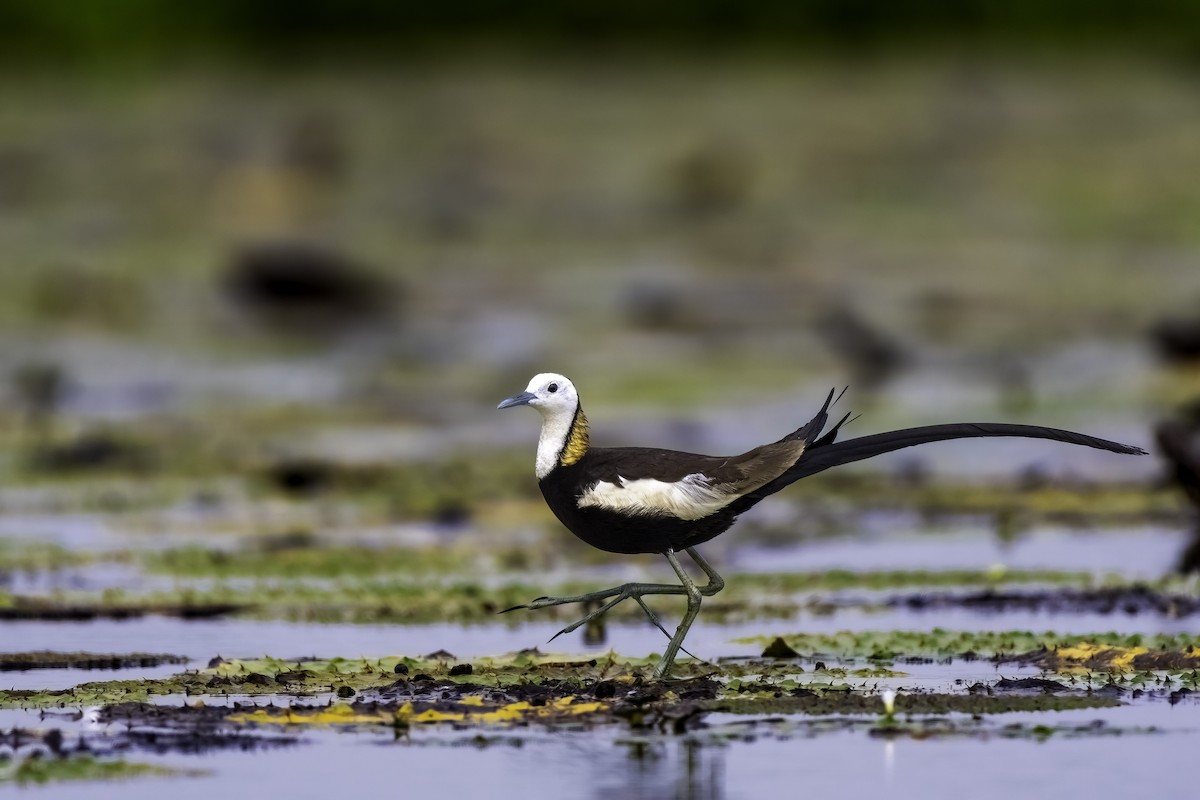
(514, 608)
(576, 624)
(567, 629)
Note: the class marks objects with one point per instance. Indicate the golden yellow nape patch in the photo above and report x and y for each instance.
(577, 441)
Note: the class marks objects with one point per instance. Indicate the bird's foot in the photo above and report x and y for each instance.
(618, 594)
(602, 609)
(547, 602)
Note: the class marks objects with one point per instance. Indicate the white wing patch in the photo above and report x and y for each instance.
(691, 497)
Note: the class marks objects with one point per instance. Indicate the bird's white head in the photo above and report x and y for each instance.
(564, 437)
(553, 395)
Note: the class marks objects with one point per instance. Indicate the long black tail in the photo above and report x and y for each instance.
(826, 453)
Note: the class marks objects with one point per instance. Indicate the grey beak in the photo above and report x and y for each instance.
(517, 400)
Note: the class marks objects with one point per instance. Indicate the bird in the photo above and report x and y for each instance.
(632, 500)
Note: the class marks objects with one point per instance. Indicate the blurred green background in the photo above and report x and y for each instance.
(237, 233)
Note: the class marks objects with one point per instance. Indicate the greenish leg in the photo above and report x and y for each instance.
(693, 609)
(636, 591)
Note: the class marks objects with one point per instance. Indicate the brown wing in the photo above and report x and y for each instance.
(735, 475)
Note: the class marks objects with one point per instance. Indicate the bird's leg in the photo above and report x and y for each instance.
(636, 591)
(623, 592)
(694, 596)
(715, 582)
(618, 594)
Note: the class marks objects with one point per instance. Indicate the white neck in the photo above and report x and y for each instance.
(556, 426)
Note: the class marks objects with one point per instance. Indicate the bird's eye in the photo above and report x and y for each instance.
(552, 388)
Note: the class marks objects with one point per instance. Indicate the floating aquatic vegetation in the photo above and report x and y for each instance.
(299, 588)
(316, 562)
(940, 643)
(36, 770)
(39, 557)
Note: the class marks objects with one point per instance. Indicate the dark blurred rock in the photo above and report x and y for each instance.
(871, 355)
(652, 305)
(301, 288)
(1189, 559)
(1178, 441)
(779, 649)
(1037, 685)
(1177, 340)
(92, 451)
(451, 513)
(40, 387)
(301, 476)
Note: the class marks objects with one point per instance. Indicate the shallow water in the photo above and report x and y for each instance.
(610, 761)
(201, 640)
(734, 756)
(892, 542)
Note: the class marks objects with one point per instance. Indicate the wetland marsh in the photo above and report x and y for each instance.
(259, 545)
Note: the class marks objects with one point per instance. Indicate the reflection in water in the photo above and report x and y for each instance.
(594, 633)
(683, 769)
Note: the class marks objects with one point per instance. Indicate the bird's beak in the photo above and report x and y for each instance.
(518, 400)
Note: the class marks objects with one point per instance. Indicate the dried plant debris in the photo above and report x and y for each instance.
(48, 659)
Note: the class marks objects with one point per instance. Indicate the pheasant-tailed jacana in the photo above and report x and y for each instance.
(649, 500)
